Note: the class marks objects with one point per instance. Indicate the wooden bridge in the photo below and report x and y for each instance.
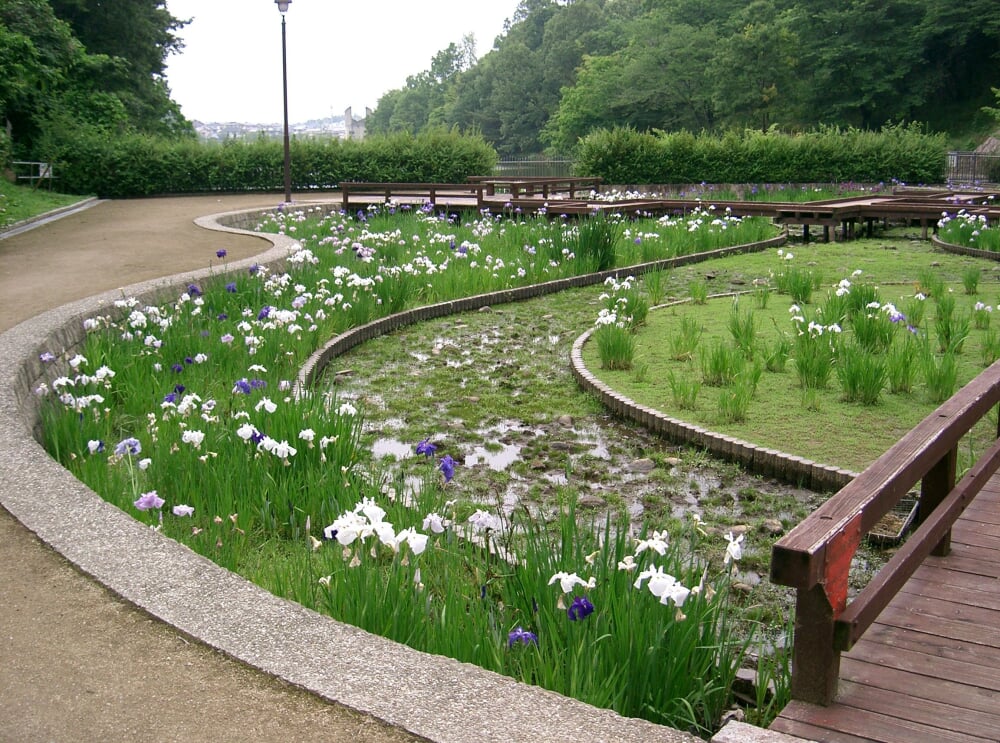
(915, 656)
(837, 218)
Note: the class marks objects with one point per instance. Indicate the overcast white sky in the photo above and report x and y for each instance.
(340, 52)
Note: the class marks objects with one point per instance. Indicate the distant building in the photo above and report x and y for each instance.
(355, 128)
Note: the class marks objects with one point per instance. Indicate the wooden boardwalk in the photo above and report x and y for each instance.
(928, 669)
(836, 218)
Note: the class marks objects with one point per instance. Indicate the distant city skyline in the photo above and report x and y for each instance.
(340, 55)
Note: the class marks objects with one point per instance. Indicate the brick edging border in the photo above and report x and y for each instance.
(762, 460)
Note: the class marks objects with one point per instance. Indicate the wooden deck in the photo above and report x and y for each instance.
(928, 669)
(836, 218)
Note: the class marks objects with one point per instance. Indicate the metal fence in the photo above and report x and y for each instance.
(533, 168)
(973, 167)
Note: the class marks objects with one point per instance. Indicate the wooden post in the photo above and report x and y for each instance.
(815, 662)
(937, 483)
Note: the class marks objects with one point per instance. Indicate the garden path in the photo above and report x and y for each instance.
(76, 662)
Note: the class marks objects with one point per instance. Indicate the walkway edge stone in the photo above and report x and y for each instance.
(431, 696)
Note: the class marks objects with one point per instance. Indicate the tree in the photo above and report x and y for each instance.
(141, 34)
(755, 69)
(863, 61)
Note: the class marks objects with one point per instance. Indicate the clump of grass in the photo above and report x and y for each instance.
(862, 374)
(615, 346)
(990, 349)
(940, 375)
(684, 343)
(743, 329)
(684, 389)
(901, 368)
(815, 351)
(951, 329)
(655, 284)
(698, 291)
(970, 279)
(596, 242)
(981, 315)
(776, 354)
(721, 364)
(761, 294)
(797, 282)
(930, 283)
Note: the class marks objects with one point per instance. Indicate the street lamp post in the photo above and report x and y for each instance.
(283, 8)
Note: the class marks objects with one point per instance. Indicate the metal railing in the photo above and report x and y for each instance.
(533, 167)
(973, 167)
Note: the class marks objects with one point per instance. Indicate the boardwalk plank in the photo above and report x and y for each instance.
(958, 695)
(863, 725)
(928, 669)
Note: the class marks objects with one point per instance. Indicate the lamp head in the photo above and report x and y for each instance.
(282, 5)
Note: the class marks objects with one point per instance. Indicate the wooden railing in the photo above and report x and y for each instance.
(815, 557)
(534, 186)
(389, 191)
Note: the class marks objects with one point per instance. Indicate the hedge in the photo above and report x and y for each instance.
(897, 153)
(138, 165)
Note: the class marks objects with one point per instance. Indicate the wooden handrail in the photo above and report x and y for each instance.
(389, 190)
(869, 603)
(815, 556)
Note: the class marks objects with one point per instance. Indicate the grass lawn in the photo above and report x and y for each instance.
(18, 203)
(816, 424)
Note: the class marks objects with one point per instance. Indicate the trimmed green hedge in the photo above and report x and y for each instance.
(624, 156)
(139, 165)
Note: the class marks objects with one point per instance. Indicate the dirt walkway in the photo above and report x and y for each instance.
(76, 663)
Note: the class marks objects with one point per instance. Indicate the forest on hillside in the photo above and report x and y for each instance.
(76, 69)
(563, 68)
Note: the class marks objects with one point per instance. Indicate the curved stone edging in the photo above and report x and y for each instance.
(441, 699)
(759, 459)
(768, 462)
(347, 340)
(989, 255)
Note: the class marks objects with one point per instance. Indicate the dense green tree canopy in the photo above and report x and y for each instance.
(565, 67)
(85, 65)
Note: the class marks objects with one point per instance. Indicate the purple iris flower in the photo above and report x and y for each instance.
(447, 467)
(231, 287)
(179, 389)
(254, 269)
(220, 253)
(257, 384)
(426, 448)
(521, 635)
(148, 501)
(128, 446)
(170, 397)
(242, 386)
(256, 437)
(580, 608)
(264, 312)
(188, 360)
(177, 368)
(194, 290)
(222, 316)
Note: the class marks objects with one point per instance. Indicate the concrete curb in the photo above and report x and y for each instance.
(430, 696)
(64, 211)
